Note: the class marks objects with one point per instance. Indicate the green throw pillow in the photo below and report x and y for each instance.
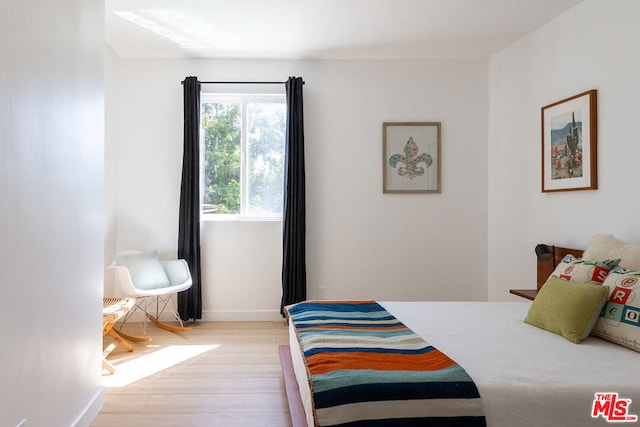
(566, 308)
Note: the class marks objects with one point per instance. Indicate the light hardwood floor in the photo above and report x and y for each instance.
(220, 374)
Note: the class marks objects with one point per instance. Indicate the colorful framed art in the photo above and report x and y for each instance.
(569, 144)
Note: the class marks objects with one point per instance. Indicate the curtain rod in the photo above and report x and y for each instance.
(240, 83)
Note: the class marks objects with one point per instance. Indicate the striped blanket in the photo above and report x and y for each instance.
(366, 368)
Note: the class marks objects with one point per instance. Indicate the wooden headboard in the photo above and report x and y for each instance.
(546, 266)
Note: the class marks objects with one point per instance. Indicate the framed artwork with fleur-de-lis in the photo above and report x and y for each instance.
(411, 157)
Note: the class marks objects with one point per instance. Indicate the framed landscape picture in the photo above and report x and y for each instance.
(569, 144)
(411, 157)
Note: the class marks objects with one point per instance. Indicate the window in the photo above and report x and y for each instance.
(243, 139)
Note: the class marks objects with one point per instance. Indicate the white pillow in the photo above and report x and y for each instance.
(145, 269)
(605, 246)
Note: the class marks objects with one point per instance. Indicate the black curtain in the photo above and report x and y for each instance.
(294, 276)
(190, 301)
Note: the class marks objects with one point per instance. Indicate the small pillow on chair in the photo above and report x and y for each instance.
(145, 269)
(567, 308)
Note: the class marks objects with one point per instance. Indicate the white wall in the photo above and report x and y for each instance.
(360, 242)
(51, 216)
(112, 116)
(592, 46)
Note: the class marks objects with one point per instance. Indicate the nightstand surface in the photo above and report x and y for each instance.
(525, 293)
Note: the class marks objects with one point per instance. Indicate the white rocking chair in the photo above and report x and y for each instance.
(152, 282)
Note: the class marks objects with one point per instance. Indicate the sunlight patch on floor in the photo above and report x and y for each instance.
(141, 367)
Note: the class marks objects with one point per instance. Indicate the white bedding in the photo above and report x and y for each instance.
(526, 376)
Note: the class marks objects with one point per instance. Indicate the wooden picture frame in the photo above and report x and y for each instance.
(411, 157)
(569, 144)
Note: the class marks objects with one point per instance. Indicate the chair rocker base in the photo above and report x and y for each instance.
(169, 327)
(161, 303)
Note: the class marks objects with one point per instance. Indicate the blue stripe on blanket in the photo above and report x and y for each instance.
(346, 377)
(320, 315)
(419, 422)
(350, 324)
(365, 307)
(355, 332)
(397, 391)
(367, 350)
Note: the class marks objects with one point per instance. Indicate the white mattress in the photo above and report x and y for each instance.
(526, 376)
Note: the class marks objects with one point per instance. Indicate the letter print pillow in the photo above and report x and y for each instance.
(578, 270)
(619, 321)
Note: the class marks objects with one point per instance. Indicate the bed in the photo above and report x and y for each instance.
(525, 375)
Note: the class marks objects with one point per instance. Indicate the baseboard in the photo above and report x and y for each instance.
(241, 315)
(86, 417)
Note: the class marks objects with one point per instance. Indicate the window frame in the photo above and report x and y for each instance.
(242, 99)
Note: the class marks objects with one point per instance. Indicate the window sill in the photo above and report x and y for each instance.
(240, 218)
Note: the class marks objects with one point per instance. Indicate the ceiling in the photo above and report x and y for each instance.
(322, 29)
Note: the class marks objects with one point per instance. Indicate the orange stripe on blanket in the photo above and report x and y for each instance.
(322, 363)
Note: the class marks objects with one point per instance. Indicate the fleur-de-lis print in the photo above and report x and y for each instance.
(411, 159)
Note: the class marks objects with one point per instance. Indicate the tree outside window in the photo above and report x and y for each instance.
(243, 154)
